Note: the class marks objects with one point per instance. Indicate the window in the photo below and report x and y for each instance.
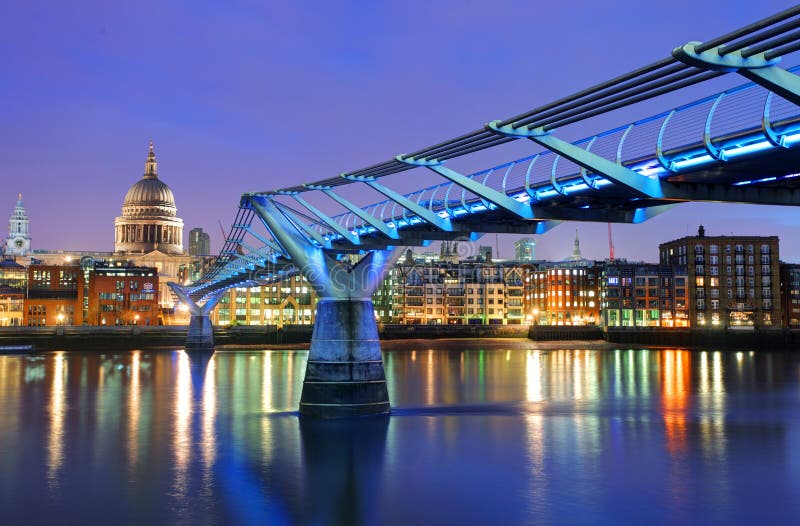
(41, 279)
(699, 281)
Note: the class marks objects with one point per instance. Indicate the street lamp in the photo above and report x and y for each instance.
(136, 319)
(60, 318)
(536, 315)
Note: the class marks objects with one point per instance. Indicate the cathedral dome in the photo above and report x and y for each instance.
(149, 197)
(149, 217)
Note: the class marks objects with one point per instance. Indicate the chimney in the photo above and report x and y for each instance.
(701, 232)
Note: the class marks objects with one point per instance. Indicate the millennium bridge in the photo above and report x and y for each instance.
(737, 145)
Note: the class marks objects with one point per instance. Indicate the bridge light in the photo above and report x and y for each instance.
(695, 161)
(748, 148)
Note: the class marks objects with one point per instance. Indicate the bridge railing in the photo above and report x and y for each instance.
(660, 145)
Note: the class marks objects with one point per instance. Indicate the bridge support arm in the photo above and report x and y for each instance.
(499, 199)
(336, 227)
(757, 67)
(442, 223)
(644, 186)
(378, 224)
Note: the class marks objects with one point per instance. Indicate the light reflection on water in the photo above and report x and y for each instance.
(477, 436)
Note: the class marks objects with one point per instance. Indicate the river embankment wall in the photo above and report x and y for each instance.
(132, 337)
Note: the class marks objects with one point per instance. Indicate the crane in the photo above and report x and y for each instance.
(610, 244)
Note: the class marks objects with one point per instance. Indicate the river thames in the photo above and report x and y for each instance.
(481, 433)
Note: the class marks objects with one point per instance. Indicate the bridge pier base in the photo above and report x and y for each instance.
(200, 337)
(344, 375)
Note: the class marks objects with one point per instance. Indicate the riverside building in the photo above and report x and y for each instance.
(790, 294)
(13, 285)
(630, 294)
(731, 281)
(122, 295)
(55, 295)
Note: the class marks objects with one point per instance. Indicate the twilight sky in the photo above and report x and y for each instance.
(250, 95)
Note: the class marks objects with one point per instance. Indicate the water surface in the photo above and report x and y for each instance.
(477, 436)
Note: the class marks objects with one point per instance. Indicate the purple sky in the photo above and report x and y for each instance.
(243, 96)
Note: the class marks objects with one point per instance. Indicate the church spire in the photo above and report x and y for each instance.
(151, 166)
(576, 249)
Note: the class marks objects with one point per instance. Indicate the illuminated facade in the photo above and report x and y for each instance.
(732, 281)
(630, 294)
(790, 294)
(13, 284)
(463, 293)
(122, 295)
(563, 294)
(55, 295)
(675, 301)
(290, 301)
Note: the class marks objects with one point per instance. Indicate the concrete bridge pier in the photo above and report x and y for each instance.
(344, 376)
(200, 337)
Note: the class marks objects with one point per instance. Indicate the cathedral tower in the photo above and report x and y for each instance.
(18, 242)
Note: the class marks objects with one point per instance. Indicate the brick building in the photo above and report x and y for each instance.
(563, 294)
(732, 281)
(55, 295)
(790, 294)
(123, 295)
